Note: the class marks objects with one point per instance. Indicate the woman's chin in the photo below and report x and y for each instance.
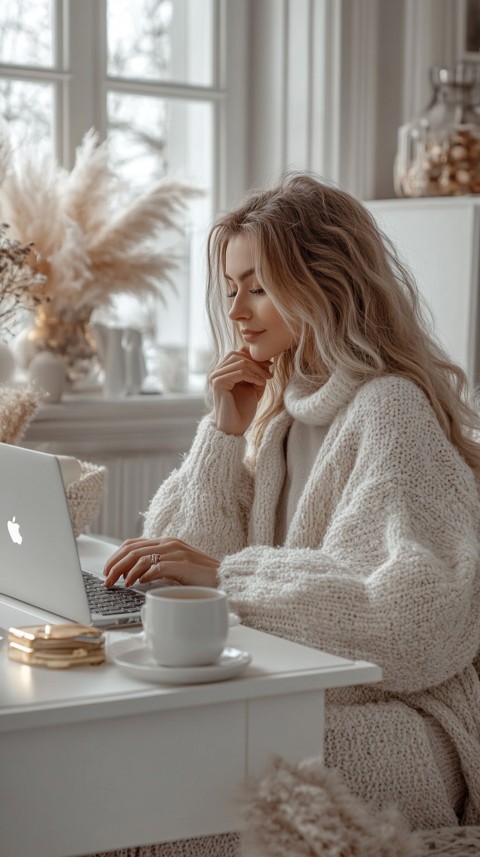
(262, 354)
(259, 354)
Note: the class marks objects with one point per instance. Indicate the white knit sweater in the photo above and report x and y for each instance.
(380, 563)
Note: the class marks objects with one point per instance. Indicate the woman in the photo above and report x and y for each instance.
(332, 491)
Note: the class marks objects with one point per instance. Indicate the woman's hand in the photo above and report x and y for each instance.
(172, 560)
(238, 383)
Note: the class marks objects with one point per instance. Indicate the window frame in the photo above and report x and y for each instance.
(81, 86)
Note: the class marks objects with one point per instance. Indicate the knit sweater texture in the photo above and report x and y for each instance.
(380, 563)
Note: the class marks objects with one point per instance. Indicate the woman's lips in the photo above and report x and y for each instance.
(251, 335)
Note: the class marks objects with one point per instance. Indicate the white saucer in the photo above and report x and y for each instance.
(133, 658)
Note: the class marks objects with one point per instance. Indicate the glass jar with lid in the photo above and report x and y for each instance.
(438, 152)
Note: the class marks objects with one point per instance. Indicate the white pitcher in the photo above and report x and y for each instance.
(135, 369)
(121, 355)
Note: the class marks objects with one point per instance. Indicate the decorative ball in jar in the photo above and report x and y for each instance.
(438, 152)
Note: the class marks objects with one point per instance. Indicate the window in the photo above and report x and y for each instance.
(149, 75)
(30, 80)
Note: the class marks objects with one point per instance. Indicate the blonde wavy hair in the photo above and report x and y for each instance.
(338, 283)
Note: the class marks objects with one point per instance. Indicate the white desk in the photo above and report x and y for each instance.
(92, 760)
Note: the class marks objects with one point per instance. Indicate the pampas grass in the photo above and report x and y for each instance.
(87, 249)
(17, 409)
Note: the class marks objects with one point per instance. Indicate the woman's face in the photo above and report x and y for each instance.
(261, 326)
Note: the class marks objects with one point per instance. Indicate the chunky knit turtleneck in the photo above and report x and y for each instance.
(319, 408)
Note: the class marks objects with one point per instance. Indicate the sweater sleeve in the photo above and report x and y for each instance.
(206, 501)
(394, 578)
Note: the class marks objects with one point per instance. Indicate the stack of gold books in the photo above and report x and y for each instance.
(56, 646)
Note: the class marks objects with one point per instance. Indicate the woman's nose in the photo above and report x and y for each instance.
(239, 308)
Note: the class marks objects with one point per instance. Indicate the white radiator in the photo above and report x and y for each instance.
(131, 483)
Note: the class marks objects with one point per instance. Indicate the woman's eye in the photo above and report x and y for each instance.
(258, 291)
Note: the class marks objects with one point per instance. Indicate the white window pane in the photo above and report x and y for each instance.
(148, 138)
(26, 32)
(137, 134)
(27, 109)
(165, 40)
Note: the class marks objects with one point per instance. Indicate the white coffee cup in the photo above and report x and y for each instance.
(185, 625)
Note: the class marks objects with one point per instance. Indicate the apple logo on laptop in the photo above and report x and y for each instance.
(14, 531)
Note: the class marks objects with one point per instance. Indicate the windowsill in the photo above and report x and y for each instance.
(89, 422)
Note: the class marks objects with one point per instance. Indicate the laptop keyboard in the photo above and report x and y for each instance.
(112, 601)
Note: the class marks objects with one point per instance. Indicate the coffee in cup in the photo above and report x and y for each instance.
(185, 626)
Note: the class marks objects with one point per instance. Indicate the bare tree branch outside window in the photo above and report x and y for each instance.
(139, 43)
(26, 39)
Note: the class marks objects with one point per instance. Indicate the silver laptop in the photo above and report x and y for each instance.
(39, 557)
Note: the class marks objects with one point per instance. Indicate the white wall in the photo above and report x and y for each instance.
(331, 81)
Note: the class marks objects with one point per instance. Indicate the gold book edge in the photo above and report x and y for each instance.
(53, 662)
(51, 632)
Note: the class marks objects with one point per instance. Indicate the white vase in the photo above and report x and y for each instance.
(48, 374)
(66, 336)
(23, 349)
(135, 370)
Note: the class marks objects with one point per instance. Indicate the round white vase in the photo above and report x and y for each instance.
(47, 373)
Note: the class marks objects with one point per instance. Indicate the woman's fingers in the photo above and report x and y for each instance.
(238, 384)
(182, 563)
(237, 370)
(131, 553)
(238, 376)
(146, 560)
(187, 567)
(127, 546)
(243, 357)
